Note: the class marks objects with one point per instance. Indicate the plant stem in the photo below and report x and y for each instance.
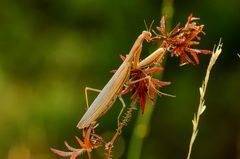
(139, 133)
(109, 145)
(141, 128)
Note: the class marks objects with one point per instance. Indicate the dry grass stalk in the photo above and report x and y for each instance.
(202, 90)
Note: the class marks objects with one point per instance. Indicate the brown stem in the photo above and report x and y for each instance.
(109, 145)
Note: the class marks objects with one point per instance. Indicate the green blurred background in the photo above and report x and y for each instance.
(51, 50)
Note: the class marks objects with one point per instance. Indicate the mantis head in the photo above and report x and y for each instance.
(147, 33)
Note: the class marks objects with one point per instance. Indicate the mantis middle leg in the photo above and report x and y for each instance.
(98, 90)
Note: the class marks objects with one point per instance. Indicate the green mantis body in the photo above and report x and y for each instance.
(113, 88)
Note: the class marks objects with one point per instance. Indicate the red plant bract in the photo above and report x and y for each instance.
(179, 41)
(143, 84)
(91, 141)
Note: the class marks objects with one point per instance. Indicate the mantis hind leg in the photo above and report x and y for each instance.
(123, 107)
(98, 90)
(86, 94)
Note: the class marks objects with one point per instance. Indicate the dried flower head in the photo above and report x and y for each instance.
(91, 141)
(143, 84)
(179, 41)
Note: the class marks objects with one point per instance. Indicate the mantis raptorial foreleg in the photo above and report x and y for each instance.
(139, 80)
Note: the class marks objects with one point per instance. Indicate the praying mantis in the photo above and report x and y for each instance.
(113, 88)
(135, 75)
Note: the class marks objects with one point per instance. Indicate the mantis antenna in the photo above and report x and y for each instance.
(150, 27)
